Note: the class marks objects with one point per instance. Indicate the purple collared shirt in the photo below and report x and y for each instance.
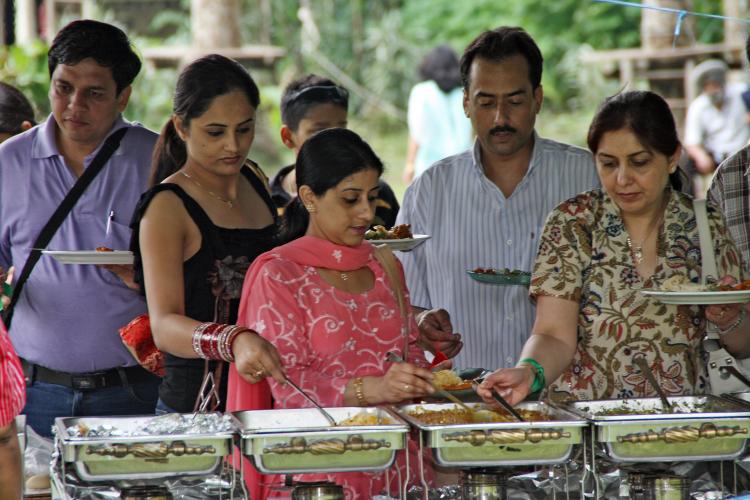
(67, 317)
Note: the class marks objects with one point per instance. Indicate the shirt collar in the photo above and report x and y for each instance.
(45, 145)
(536, 155)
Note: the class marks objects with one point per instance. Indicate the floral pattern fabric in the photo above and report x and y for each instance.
(584, 257)
(326, 337)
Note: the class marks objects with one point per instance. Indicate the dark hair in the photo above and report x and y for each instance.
(198, 85)
(441, 66)
(499, 44)
(308, 91)
(645, 113)
(14, 109)
(108, 45)
(325, 159)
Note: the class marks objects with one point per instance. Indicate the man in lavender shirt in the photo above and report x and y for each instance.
(65, 324)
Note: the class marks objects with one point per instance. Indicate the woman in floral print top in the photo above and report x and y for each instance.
(600, 249)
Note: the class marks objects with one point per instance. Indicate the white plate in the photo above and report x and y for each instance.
(699, 298)
(91, 256)
(404, 244)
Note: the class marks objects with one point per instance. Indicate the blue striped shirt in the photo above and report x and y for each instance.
(472, 225)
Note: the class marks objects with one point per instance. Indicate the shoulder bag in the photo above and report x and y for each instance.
(62, 211)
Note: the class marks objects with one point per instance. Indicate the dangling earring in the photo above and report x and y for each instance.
(311, 208)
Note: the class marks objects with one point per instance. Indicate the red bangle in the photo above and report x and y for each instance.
(214, 340)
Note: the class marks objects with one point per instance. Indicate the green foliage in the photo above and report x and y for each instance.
(26, 68)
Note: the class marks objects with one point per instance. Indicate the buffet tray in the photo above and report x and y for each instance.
(290, 441)
(637, 430)
(147, 456)
(496, 444)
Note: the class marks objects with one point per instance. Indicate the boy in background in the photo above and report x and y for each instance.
(308, 105)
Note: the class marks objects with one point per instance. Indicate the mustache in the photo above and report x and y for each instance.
(502, 128)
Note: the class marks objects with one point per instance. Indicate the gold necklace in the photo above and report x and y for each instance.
(229, 202)
(636, 251)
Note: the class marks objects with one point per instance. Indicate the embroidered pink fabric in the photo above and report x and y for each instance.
(325, 336)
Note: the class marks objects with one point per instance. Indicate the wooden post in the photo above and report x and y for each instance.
(26, 26)
(215, 24)
(735, 33)
(657, 27)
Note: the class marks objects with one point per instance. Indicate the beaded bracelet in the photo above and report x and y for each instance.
(737, 322)
(214, 340)
(358, 384)
(539, 381)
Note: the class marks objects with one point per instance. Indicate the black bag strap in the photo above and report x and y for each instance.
(54, 222)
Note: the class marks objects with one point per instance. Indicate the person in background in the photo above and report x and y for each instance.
(438, 127)
(77, 309)
(486, 207)
(308, 105)
(16, 112)
(716, 125)
(207, 216)
(326, 300)
(12, 399)
(599, 250)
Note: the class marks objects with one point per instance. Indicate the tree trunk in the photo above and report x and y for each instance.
(657, 27)
(215, 23)
(734, 32)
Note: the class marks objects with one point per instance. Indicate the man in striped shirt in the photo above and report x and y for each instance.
(487, 206)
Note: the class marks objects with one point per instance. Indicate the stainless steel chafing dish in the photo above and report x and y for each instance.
(497, 444)
(637, 430)
(288, 441)
(119, 448)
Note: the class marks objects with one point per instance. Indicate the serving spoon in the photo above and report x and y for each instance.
(646, 371)
(312, 401)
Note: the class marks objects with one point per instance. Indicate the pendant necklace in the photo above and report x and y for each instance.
(229, 201)
(636, 251)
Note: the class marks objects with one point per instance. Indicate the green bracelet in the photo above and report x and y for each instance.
(539, 381)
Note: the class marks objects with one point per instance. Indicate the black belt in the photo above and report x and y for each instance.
(114, 377)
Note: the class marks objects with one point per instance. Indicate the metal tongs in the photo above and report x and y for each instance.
(327, 415)
(395, 358)
(506, 406)
(646, 371)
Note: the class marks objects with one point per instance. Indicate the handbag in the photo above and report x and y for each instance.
(62, 211)
(725, 372)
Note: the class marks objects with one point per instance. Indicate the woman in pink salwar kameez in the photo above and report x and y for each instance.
(327, 305)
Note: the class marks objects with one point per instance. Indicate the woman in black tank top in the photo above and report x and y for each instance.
(196, 231)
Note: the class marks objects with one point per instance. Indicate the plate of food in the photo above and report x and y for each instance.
(102, 255)
(458, 382)
(397, 238)
(502, 276)
(679, 290)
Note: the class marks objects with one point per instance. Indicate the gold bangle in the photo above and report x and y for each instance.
(359, 391)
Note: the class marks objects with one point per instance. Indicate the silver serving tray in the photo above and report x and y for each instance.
(149, 456)
(647, 434)
(497, 444)
(290, 441)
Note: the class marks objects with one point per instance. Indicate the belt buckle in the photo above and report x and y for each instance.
(88, 381)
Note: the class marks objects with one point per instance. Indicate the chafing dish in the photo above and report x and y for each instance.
(288, 441)
(115, 448)
(497, 444)
(637, 430)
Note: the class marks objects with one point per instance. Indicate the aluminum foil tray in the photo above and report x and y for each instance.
(289, 441)
(498, 444)
(638, 430)
(122, 450)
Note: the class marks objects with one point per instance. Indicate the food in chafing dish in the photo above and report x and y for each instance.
(104, 249)
(400, 232)
(363, 418)
(171, 423)
(637, 408)
(458, 415)
(450, 381)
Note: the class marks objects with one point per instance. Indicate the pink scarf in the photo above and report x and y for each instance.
(307, 251)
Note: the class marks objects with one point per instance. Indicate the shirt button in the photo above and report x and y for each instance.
(509, 242)
(509, 317)
(509, 361)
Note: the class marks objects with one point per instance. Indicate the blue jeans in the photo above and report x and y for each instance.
(163, 409)
(45, 402)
